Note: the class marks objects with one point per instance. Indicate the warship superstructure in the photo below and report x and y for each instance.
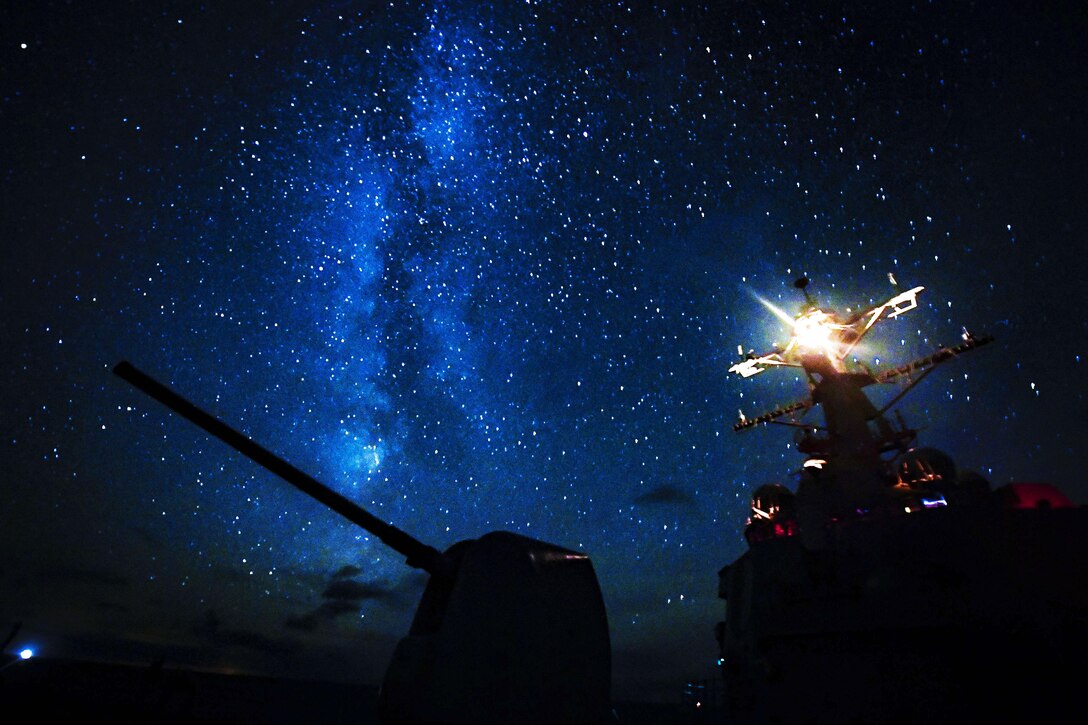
(884, 583)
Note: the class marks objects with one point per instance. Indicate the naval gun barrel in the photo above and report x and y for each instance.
(417, 554)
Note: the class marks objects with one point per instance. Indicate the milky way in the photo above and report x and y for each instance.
(484, 267)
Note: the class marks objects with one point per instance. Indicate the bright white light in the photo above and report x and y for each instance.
(813, 331)
(26, 654)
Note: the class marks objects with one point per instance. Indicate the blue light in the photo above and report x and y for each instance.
(26, 654)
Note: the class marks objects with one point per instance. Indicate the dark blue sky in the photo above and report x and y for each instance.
(484, 267)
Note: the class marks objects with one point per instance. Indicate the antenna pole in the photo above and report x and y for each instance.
(802, 284)
(418, 554)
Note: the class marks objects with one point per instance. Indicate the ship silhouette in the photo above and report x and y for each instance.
(886, 584)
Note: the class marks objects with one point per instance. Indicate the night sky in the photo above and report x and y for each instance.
(484, 267)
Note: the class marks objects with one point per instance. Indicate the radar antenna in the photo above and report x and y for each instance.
(820, 341)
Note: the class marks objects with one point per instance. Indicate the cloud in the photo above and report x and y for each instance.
(342, 596)
(351, 590)
(664, 495)
(347, 571)
(328, 611)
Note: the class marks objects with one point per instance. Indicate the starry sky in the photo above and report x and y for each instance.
(484, 266)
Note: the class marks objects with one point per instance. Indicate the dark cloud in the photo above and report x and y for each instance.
(347, 571)
(328, 611)
(335, 608)
(351, 590)
(664, 495)
(342, 596)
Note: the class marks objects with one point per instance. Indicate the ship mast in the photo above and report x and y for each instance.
(845, 472)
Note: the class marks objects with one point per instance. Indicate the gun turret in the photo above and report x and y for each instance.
(509, 629)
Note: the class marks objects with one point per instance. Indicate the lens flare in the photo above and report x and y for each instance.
(815, 331)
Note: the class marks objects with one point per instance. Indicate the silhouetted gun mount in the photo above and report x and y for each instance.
(509, 629)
